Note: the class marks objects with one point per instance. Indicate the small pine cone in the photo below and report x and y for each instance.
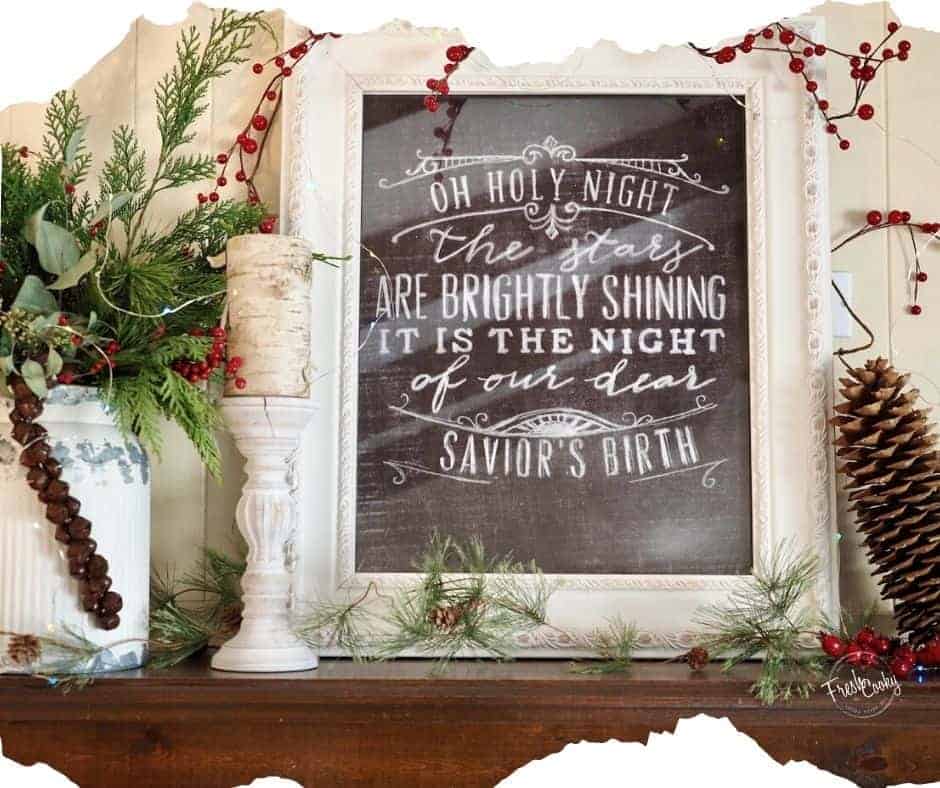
(24, 649)
(697, 658)
(446, 617)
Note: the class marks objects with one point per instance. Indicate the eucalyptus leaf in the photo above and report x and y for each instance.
(111, 206)
(74, 275)
(6, 366)
(34, 297)
(57, 248)
(75, 143)
(54, 363)
(31, 225)
(35, 377)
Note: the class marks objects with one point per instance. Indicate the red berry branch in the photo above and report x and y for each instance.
(867, 647)
(196, 371)
(249, 145)
(863, 67)
(440, 88)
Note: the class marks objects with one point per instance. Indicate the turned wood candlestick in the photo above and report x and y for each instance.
(267, 431)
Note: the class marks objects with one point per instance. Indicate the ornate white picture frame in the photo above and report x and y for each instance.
(789, 320)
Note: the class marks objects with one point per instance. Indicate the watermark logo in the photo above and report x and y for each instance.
(862, 690)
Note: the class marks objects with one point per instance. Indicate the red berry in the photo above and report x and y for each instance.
(236, 362)
(76, 340)
(265, 228)
(746, 47)
(450, 68)
(887, 53)
(868, 73)
(222, 180)
(844, 144)
(866, 112)
(855, 62)
(787, 36)
(431, 84)
(856, 73)
(865, 637)
(726, 55)
(240, 175)
(214, 197)
(202, 198)
(259, 122)
(820, 49)
(823, 104)
(113, 347)
(431, 103)
(750, 38)
(893, 27)
(853, 653)
(249, 145)
(257, 68)
(767, 33)
(868, 658)
(222, 158)
(895, 217)
(287, 71)
(197, 332)
(831, 128)
(904, 45)
(808, 51)
(279, 61)
(905, 216)
(916, 309)
(902, 668)
(63, 320)
(902, 55)
(904, 652)
(217, 331)
(457, 53)
(24, 152)
(240, 383)
(443, 88)
(70, 188)
(882, 645)
(271, 95)
(812, 86)
(65, 378)
(921, 276)
(864, 47)
(797, 65)
(833, 646)
(874, 218)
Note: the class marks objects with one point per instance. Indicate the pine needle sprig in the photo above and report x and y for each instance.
(769, 618)
(614, 647)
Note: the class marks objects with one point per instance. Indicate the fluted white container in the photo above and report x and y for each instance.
(110, 475)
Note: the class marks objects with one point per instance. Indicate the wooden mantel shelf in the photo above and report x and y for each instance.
(392, 724)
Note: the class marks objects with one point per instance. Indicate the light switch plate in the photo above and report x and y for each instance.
(841, 319)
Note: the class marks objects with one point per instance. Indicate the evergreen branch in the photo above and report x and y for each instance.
(769, 618)
(614, 646)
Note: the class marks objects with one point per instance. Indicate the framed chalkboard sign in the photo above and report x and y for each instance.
(564, 328)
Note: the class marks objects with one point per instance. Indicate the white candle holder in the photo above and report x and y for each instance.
(267, 431)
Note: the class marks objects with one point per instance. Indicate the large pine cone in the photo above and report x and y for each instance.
(889, 454)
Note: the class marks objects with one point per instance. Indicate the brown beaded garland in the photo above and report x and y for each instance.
(62, 509)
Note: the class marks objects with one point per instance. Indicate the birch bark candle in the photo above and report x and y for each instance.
(269, 279)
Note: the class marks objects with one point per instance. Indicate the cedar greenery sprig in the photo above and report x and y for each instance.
(769, 618)
(99, 307)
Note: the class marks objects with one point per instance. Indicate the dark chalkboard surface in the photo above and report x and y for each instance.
(554, 332)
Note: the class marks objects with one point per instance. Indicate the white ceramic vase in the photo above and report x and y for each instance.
(110, 475)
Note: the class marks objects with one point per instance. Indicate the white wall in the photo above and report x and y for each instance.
(881, 171)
